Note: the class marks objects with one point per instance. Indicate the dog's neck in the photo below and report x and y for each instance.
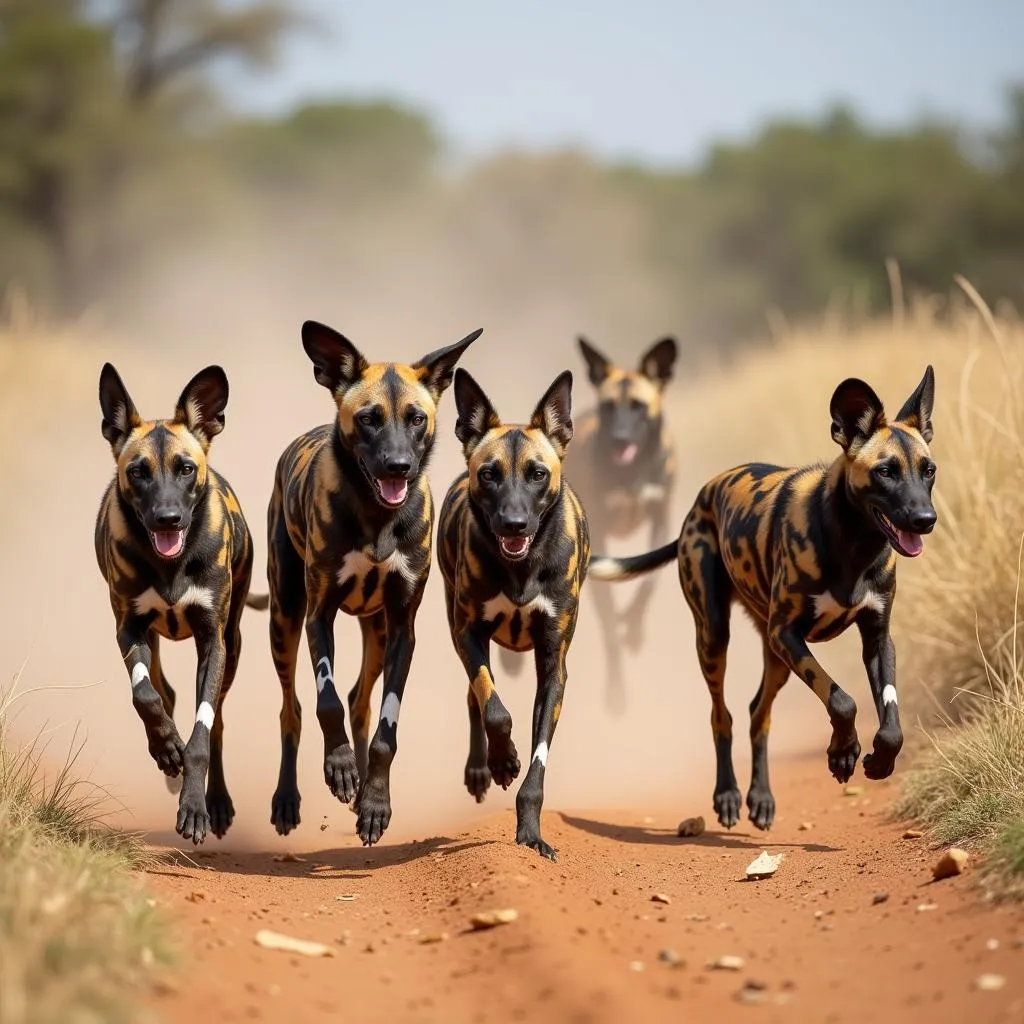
(850, 528)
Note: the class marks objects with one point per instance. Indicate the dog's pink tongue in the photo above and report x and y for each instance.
(169, 542)
(393, 491)
(514, 545)
(624, 456)
(912, 543)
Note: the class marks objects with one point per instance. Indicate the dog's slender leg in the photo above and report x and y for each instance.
(708, 591)
(285, 574)
(788, 644)
(880, 663)
(374, 629)
(373, 805)
(165, 745)
(167, 696)
(760, 802)
(550, 659)
(193, 816)
(502, 759)
(477, 776)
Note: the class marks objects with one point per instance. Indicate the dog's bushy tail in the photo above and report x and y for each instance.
(258, 601)
(616, 570)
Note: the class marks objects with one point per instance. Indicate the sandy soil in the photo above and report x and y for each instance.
(838, 934)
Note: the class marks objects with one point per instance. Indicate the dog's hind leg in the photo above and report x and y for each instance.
(760, 802)
(374, 629)
(708, 591)
(285, 573)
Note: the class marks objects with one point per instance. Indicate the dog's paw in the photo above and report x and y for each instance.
(881, 762)
(727, 807)
(503, 762)
(221, 811)
(193, 818)
(761, 805)
(531, 838)
(478, 781)
(374, 811)
(341, 773)
(167, 750)
(284, 809)
(842, 758)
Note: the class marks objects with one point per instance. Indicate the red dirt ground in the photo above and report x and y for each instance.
(585, 946)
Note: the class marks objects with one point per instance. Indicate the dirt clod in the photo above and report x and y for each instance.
(660, 897)
(671, 957)
(913, 833)
(728, 963)
(879, 897)
(493, 918)
(691, 827)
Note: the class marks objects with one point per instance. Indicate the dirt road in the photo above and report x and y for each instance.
(624, 925)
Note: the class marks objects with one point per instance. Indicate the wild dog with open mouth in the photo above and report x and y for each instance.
(349, 527)
(175, 550)
(808, 553)
(514, 551)
(622, 466)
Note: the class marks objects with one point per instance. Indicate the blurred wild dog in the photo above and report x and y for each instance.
(349, 527)
(174, 548)
(514, 549)
(623, 469)
(808, 553)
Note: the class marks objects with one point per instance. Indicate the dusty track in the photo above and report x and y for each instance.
(586, 944)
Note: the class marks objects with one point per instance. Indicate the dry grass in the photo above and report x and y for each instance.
(77, 931)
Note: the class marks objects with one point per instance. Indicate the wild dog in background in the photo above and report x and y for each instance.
(623, 469)
(349, 528)
(174, 548)
(808, 553)
(514, 551)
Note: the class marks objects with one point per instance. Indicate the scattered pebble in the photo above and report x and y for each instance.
(765, 865)
(805, 826)
(924, 907)
(660, 897)
(728, 963)
(879, 897)
(992, 945)
(913, 833)
(853, 790)
(690, 827)
(753, 991)
(493, 918)
(433, 937)
(275, 940)
(951, 863)
(347, 897)
(670, 957)
(636, 965)
(990, 982)
(323, 827)
(196, 897)
(289, 858)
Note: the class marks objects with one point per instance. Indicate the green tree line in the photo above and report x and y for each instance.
(116, 146)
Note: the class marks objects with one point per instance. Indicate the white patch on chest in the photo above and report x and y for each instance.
(503, 605)
(323, 674)
(359, 563)
(150, 601)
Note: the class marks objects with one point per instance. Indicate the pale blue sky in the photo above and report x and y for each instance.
(650, 79)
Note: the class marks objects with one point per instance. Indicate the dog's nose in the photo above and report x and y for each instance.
(516, 525)
(169, 518)
(923, 521)
(399, 465)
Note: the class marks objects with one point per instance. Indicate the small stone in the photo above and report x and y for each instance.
(196, 897)
(765, 865)
(636, 966)
(275, 940)
(690, 827)
(493, 918)
(992, 945)
(923, 908)
(913, 833)
(670, 957)
(323, 828)
(805, 826)
(432, 937)
(853, 790)
(990, 982)
(660, 897)
(289, 858)
(879, 897)
(347, 897)
(728, 963)
(951, 863)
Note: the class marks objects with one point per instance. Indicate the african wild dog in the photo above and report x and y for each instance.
(809, 552)
(349, 525)
(622, 466)
(514, 551)
(176, 553)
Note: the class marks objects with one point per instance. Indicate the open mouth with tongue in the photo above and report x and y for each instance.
(515, 548)
(392, 491)
(168, 543)
(905, 542)
(624, 454)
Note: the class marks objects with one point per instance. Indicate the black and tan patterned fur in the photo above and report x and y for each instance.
(808, 553)
(175, 551)
(349, 529)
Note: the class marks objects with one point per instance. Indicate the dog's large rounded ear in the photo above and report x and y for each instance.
(437, 369)
(120, 416)
(857, 413)
(476, 414)
(553, 414)
(202, 404)
(597, 364)
(917, 409)
(337, 363)
(658, 361)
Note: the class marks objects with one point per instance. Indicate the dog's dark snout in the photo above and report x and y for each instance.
(515, 524)
(168, 518)
(398, 465)
(923, 520)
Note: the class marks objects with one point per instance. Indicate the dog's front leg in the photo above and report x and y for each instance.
(880, 663)
(791, 646)
(193, 816)
(373, 804)
(165, 746)
(340, 771)
(502, 761)
(550, 659)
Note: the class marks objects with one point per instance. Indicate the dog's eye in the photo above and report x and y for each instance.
(486, 475)
(928, 472)
(366, 419)
(539, 474)
(136, 472)
(188, 469)
(418, 419)
(883, 471)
